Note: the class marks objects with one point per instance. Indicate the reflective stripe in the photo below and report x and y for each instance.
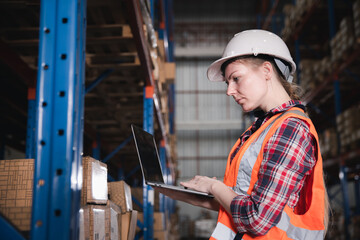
(223, 232)
(249, 159)
(298, 112)
(247, 163)
(297, 232)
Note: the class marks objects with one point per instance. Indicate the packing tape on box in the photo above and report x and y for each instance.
(128, 199)
(99, 181)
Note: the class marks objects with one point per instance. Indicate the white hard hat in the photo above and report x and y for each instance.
(254, 42)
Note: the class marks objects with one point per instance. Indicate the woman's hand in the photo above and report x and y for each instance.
(222, 193)
(201, 183)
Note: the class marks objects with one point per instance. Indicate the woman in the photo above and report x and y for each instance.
(273, 186)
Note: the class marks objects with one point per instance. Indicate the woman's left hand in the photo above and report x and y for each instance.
(201, 183)
(222, 193)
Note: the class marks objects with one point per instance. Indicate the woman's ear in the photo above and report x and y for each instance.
(267, 70)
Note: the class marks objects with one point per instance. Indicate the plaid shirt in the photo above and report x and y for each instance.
(289, 157)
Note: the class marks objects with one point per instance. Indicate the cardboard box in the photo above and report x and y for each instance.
(16, 191)
(115, 221)
(128, 225)
(159, 221)
(160, 235)
(120, 194)
(95, 188)
(96, 222)
(170, 71)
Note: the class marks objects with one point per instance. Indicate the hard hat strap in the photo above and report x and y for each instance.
(284, 69)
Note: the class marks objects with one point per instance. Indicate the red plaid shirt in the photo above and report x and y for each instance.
(289, 157)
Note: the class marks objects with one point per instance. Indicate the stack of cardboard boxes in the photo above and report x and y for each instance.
(294, 14)
(343, 42)
(106, 211)
(106, 208)
(356, 15)
(349, 128)
(120, 195)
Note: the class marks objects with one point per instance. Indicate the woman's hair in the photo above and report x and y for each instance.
(292, 89)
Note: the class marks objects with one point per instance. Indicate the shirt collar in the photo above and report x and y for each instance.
(281, 108)
(285, 106)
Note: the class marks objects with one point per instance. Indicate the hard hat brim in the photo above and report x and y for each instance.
(214, 73)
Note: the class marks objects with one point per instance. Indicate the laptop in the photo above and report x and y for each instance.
(150, 162)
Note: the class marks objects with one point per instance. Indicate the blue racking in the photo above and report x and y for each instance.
(331, 80)
(56, 122)
(60, 113)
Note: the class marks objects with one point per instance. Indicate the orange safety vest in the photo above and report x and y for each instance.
(242, 174)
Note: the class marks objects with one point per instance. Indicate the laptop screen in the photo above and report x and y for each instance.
(148, 155)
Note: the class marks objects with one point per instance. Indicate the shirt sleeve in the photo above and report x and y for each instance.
(289, 156)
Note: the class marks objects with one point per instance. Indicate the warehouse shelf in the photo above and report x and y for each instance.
(339, 69)
(329, 97)
(119, 78)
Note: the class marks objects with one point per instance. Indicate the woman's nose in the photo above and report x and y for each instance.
(230, 90)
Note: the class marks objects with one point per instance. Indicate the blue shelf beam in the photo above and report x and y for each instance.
(112, 154)
(148, 192)
(8, 231)
(96, 147)
(59, 120)
(31, 122)
(132, 172)
(137, 202)
(162, 155)
(98, 80)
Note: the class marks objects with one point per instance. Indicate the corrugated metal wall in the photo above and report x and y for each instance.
(208, 121)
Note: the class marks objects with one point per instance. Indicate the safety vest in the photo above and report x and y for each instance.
(241, 175)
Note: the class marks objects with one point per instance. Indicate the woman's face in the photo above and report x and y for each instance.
(246, 84)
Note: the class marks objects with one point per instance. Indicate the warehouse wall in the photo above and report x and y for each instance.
(208, 122)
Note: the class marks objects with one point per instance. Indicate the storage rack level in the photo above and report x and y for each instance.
(59, 107)
(329, 98)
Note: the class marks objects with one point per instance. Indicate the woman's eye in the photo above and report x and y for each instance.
(235, 79)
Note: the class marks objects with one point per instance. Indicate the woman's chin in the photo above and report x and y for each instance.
(246, 108)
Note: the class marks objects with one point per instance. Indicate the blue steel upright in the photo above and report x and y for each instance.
(30, 132)
(59, 120)
(148, 192)
(162, 155)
